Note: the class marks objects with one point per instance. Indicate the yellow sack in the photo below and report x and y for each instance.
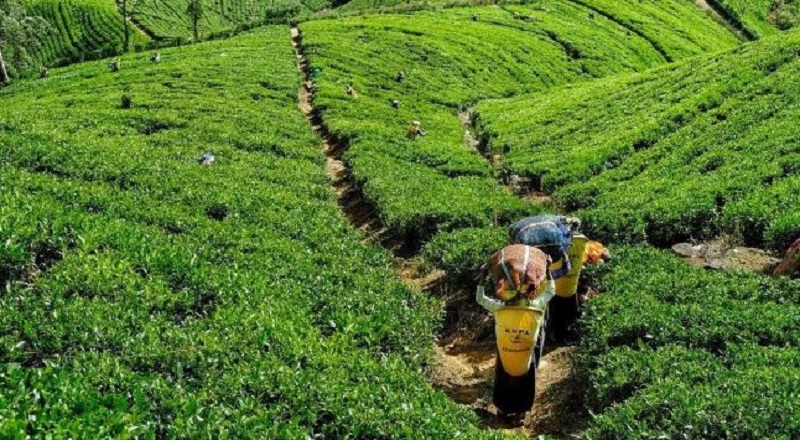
(517, 329)
(567, 286)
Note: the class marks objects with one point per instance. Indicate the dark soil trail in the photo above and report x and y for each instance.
(518, 185)
(358, 211)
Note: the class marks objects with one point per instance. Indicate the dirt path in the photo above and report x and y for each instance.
(518, 185)
(465, 356)
(351, 200)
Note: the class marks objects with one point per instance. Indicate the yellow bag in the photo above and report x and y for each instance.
(517, 329)
(567, 286)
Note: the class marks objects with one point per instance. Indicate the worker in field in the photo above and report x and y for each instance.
(351, 91)
(415, 130)
(43, 72)
(115, 65)
(558, 237)
(395, 104)
(522, 286)
(400, 76)
(156, 58)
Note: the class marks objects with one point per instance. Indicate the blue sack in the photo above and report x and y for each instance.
(549, 233)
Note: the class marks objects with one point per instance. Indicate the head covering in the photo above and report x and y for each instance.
(518, 270)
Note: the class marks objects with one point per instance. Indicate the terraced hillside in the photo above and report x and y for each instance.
(450, 59)
(147, 295)
(763, 17)
(679, 352)
(80, 30)
(689, 150)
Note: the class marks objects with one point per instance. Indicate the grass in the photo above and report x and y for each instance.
(453, 58)
(685, 151)
(147, 296)
(673, 351)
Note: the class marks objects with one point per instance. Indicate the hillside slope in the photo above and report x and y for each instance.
(688, 150)
(763, 18)
(147, 295)
(80, 30)
(452, 58)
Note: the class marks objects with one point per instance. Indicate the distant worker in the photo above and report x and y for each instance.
(115, 65)
(352, 92)
(395, 103)
(156, 58)
(415, 130)
(400, 77)
(475, 18)
(206, 159)
(591, 15)
(43, 72)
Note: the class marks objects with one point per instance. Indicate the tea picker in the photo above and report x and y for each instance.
(558, 237)
(415, 130)
(522, 288)
(206, 159)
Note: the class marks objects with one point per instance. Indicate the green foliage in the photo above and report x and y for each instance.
(436, 183)
(146, 295)
(461, 253)
(761, 17)
(688, 150)
(80, 30)
(167, 19)
(673, 351)
(19, 36)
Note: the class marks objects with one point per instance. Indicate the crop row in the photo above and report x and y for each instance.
(80, 30)
(674, 351)
(167, 19)
(452, 58)
(146, 295)
(689, 150)
(762, 18)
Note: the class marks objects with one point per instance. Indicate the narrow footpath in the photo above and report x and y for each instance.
(465, 353)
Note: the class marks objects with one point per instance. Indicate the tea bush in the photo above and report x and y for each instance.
(674, 351)
(80, 30)
(436, 183)
(685, 151)
(762, 18)
(145, 295)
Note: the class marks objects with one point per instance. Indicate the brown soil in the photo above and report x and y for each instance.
(465, 371)
(352, 202)
(723, 254)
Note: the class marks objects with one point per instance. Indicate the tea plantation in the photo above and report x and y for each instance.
(452, 58)
(689, 150)
(147, 296)
(678, 352)
(80, 30)
(762, 17)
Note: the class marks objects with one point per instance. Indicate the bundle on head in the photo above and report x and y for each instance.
(549, 233)
(518, 271)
